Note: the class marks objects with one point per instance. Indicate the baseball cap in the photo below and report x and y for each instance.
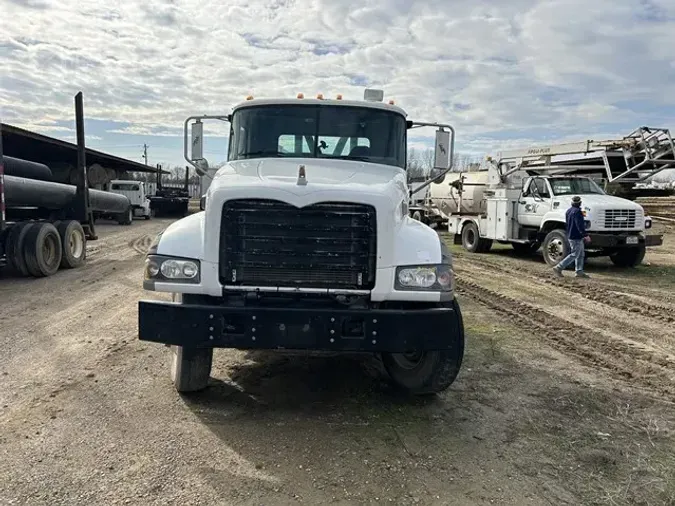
(576, 199)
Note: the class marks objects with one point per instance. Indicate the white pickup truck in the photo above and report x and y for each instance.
(305, 243)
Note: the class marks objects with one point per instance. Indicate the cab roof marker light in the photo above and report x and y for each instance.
(250, 97)
(301, 95)
(320, 96)
(339, 96)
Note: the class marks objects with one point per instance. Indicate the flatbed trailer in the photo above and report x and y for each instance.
(44, 225)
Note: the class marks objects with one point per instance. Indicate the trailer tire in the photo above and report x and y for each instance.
(472, 241)
(73, 242)
(430, 372)
(555, 246)
(190, 367)
(127, 217)
(42, 250)
(15, 241)
(629, 257)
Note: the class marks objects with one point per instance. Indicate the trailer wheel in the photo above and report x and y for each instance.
(74, 244)
(555, 247)
(428, 372)
(472, 241)
(42, 250)
(629, 257)
(127, 217)
(15, 241)
(190, 367)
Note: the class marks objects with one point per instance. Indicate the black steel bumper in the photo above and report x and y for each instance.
(622, 240)
(369, 330)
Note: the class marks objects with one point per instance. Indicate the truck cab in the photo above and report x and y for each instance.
(305, 243)
(135, 191)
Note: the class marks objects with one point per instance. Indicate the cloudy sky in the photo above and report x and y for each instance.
(505, 73)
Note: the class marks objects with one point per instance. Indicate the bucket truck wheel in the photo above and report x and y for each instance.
(428, 372)
(629, 257)
(43, 250)
(417, 216)
(472, 241)
(555, 247)
(74, 244)
(15, 241)
(190, 367)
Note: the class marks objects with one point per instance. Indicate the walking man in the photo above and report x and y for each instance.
(577, 236)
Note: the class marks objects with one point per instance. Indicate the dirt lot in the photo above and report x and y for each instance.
(566, 396)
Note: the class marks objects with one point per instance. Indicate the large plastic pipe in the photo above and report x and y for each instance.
(23, 192)
(24, 168)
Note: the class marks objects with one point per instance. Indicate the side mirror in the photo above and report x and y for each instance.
(202, 202)
(197, 152)
(435, 173)
(442, 151)
(201, 167)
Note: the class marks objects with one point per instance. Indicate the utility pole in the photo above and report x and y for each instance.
(145, 153)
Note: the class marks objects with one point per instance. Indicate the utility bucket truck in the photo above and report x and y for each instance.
(523, 195)
(305, 243)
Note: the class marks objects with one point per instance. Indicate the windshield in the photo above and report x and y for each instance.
(574, 186)
(319, 131)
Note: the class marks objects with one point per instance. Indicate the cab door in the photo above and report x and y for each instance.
(534, 203)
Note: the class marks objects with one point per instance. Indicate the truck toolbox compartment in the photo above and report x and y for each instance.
(389, 330)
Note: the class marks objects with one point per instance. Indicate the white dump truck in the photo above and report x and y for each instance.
(305, 243)
(522, 197)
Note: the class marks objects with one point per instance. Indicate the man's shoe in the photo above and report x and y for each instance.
(557, 273)
(582, 275)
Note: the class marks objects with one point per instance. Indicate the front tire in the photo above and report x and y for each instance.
(629, 257)
(190, 367)
(430, 372)
(555, 247)
(127, 217)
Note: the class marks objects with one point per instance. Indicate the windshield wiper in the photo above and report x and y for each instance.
(347, 157)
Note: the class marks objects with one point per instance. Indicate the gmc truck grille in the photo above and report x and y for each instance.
(271, 243)
(620, 218)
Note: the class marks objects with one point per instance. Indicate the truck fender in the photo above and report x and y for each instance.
(183, 238)
(551, 221)
(416, 244)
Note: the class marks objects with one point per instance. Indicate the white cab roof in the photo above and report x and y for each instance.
(315, 101)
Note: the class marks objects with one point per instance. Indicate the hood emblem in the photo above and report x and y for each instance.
(302, 176)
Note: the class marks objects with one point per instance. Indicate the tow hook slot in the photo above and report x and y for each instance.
(353, 328)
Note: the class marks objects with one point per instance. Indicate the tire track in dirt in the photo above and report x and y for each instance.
(593, 292)
(622, 359)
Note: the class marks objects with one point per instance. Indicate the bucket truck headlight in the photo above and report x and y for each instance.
(159, 268)
(433, 278)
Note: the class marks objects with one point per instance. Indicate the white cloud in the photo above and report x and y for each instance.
(515, 71)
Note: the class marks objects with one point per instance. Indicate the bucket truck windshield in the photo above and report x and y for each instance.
(574, 186)
(318, 131)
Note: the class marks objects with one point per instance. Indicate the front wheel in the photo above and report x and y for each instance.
(190, 367)
(629, 257)
(427, 372)
(555, 247)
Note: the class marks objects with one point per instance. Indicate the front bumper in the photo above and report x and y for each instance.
(368, 330)
(621, 240)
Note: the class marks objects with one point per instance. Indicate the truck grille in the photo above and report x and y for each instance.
(620, 218)
(271, 243)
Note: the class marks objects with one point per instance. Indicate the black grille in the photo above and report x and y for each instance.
(271, 243)
(620, 218)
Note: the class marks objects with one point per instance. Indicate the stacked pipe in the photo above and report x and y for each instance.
(31, 184)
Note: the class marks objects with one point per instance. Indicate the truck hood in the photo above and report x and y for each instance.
(320, 174)
(594, 201)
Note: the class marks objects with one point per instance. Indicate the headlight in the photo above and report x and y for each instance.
(434, 278)
(161, 268)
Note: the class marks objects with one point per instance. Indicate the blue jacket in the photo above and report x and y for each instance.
(576, 228)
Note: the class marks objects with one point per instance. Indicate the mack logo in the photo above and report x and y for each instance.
(302, 176)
